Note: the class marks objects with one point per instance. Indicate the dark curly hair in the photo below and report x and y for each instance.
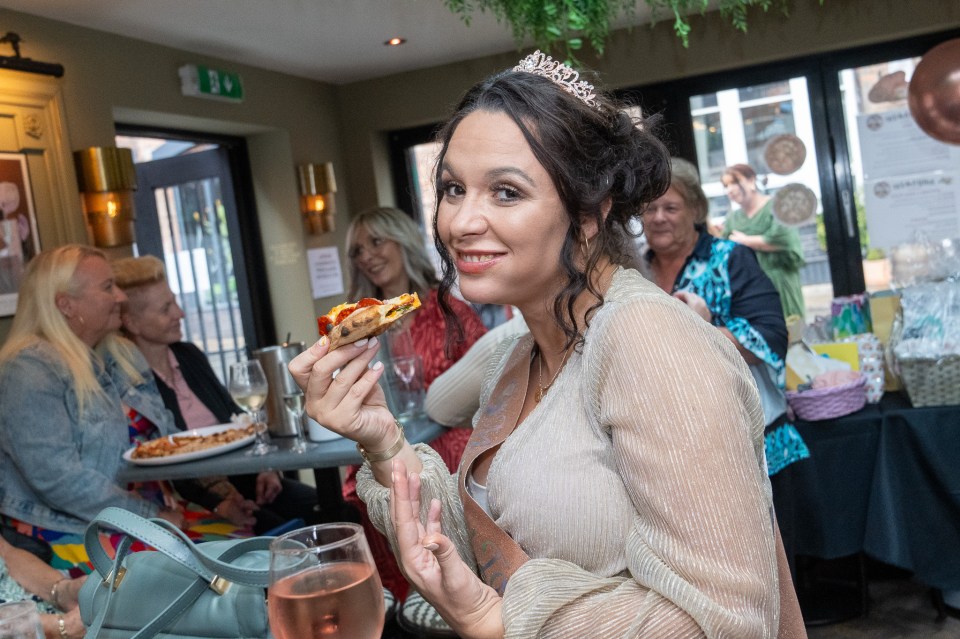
(593, 155)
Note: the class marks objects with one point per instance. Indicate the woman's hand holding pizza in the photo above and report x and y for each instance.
(351, 404)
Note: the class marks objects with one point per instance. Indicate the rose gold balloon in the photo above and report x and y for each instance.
(934, 94)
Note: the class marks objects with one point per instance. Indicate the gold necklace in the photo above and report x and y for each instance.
(541, 389)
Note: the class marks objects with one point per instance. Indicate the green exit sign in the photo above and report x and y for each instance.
(205, 82)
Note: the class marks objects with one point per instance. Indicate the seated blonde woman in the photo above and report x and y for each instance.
(66, 382)
(194, 395)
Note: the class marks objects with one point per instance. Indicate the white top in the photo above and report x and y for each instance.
(479, 493)
(454, 397)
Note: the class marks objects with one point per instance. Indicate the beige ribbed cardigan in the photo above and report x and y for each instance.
(637, 486)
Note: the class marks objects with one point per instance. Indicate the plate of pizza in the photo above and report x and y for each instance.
(190, 444)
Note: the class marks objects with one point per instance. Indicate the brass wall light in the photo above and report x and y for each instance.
(107, 181)
(317, 186)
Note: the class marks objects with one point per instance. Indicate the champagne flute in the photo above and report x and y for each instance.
(248, 387)
(293, 400)
(323, 583)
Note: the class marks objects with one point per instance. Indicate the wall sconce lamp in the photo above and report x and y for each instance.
(107, 181)
(317, 186)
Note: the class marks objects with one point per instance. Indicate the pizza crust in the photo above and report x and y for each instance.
(370, 321)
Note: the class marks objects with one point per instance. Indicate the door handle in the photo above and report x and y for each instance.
(848, 213)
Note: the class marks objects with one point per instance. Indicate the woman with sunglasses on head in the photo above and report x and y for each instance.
(614, 485)
(388, 258)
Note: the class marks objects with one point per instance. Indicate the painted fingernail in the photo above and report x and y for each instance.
(377, 365)
(373, 342)
(432, 547)
(323, 341)
(360, 343)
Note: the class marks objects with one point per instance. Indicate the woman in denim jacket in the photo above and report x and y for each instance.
(64, 376)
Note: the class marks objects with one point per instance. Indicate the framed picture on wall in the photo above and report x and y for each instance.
(18, 228)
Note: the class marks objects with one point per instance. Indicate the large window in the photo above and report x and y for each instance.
(824, 101)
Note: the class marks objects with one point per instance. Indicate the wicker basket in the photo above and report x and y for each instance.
(829, 403)
(931, 382)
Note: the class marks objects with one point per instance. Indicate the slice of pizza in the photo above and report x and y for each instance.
(349, 322)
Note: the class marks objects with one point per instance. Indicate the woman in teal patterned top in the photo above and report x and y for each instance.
(777, 246)
(722, 281)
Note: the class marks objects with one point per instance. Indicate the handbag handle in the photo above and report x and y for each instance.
(171, 541)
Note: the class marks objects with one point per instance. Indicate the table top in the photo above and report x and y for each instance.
(328, 454)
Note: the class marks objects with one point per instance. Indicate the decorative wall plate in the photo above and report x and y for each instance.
(784, 154)
(794, 204)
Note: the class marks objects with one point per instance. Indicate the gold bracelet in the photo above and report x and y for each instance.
(54, 595)
(384, 455)
(62, 627)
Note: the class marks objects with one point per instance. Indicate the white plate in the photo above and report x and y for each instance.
(197, 454)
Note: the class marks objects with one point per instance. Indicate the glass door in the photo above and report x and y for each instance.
(186, 216)
(769, 127)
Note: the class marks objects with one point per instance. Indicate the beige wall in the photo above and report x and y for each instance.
(286, 121)
(636, 57)
(289, 120)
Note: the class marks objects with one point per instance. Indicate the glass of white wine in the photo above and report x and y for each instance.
(293, 400)
(248, 387)
(323, 583)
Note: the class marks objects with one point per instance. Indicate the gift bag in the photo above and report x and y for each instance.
(180, 590)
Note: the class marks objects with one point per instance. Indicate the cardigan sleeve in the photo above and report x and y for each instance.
(686, 427)
(454, 397)
(754, 298)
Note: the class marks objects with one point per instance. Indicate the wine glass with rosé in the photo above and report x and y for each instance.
(324, 584)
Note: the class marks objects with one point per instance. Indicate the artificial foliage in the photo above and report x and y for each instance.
(566, 24)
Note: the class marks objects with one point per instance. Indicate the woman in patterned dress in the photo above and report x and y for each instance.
(388, 258)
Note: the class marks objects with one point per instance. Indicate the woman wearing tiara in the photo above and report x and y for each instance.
(614, 485)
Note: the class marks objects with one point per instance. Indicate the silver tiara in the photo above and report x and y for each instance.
(569, 80)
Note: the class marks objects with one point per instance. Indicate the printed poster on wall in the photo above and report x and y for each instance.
(900, 207)
(891, 144)
(326, 277)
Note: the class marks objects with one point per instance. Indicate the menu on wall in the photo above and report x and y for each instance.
(911, 181)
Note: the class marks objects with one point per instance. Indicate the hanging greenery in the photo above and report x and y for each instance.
(567, 23)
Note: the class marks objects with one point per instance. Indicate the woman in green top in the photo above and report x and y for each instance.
(777, 246)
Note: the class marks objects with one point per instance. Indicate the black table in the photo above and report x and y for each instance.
(323, 457)
(884, 481)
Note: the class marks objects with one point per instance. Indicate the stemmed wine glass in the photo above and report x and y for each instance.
(293, 400)
(408, 371)
(323, 583)
(248, 387)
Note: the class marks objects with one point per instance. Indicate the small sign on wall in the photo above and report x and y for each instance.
(199, 81)
(326, 278)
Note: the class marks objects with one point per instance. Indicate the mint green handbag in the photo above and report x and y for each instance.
(181, 590)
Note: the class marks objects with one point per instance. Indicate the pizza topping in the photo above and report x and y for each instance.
(333, 324)
(180, 444)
